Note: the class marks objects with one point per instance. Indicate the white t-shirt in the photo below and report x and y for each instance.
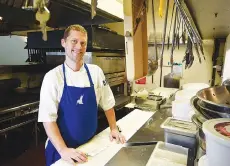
(53, 84)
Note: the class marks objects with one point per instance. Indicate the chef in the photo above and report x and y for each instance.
(69, 99)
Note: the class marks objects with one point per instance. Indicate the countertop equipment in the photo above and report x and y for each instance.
(180, 132)
(151, 103)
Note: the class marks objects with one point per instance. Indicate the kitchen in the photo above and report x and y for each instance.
(137, 64)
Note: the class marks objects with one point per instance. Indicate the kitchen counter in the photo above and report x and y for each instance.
(150, 131)
(117, 154)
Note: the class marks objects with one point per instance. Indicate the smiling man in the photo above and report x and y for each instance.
(69, 99)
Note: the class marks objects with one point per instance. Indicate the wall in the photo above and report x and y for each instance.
(197, 73)
(12, 50)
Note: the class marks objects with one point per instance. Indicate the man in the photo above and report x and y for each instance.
(69, 99)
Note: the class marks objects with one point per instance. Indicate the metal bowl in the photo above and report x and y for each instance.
(216, 98)
(211, 112)
(199, 114)
(201, 135)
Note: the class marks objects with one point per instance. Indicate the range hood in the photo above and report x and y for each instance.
(63, 13)
(100, 39)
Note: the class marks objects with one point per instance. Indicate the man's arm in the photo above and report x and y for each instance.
(110, 115)
(54, 135)
(68, 154)
(114, 134)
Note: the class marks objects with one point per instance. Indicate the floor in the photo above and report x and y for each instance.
(32, 157)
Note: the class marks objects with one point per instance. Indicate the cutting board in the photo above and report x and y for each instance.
(128, 124)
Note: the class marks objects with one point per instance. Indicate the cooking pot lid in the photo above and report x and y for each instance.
(219, 129)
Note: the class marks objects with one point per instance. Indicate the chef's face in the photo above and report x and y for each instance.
(75, 45)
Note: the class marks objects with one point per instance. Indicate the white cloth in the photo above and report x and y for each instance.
(53, 84)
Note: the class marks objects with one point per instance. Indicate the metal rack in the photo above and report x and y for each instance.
(18, 116)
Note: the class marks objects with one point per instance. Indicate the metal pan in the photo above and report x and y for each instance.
(215, 98)
(200, 116)
(211, 112)
(201, 135)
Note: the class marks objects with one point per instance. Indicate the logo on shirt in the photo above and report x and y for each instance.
(80, 101)
(104, 82)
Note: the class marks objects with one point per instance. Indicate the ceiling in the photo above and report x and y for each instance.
(211, 17)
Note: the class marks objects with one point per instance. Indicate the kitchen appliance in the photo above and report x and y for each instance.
(152, 103)
(180, 132)
(217, 133)
(100, 39)
(112, 64)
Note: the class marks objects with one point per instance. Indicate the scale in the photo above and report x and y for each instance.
(152, 103)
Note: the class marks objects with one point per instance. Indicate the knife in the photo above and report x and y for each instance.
(127, 144)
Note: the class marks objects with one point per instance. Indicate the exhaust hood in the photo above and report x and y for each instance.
(63, 13)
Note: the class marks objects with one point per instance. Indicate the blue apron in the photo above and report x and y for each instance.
(77, 117)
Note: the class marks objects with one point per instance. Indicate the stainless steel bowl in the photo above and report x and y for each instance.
(201, 135)
(216, 98)
(199, 114)
(212, 112)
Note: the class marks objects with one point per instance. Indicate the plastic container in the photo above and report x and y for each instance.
(181, 110)
(166, 154)
(180, 132)
(203, 161)
(217, 134)
(195, 86)
(185, 94)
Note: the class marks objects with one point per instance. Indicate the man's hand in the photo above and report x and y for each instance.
(72, 155)
(115, 134)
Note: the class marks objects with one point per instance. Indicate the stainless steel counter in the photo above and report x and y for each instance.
(150, 131)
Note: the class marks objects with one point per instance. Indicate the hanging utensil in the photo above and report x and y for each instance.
(183, 34)
(173, 40)
(178, 32)
(189, 57)
(189, 25)
(163, 42)
(170, 25)
(153, 63)
(93, 8)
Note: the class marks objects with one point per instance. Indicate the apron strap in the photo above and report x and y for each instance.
(87, 70)
(63, 67)
(89, 76)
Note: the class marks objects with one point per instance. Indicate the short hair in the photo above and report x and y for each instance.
(75, 27)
